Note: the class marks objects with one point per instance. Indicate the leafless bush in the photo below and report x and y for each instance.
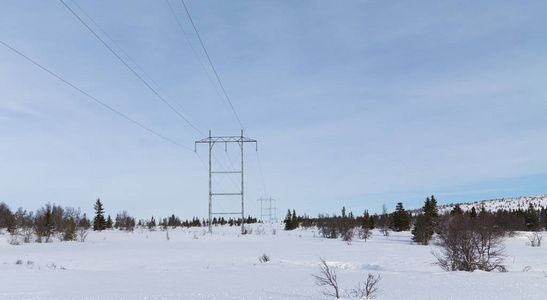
(470, 244)
(526, 269)
(327, 279)
(24, 221)
(19, 262)
(385, 231)
(14, 237)
(365, 233)
(535, 239)
(368, 290)
(125, 222)
(260, 231)
(264, 258)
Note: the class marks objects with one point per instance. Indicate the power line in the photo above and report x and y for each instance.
(132, 60)
(220, 82)
(195, 53)
(131, 69)
(261, 174)
(212, 66)
(95, 99)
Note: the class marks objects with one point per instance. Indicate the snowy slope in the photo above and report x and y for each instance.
(504, 204)
(225, 265)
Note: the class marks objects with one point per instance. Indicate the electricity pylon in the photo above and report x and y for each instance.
(212, 140)
(269, 210)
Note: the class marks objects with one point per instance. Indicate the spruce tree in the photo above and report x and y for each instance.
(294, 220)
(531, 218)
(109, 223)
(473, 213)
(346, 230)
(426, 223)
(99, 223)
(366, 220)
(400, 219)
(457, 211)
(288, 220)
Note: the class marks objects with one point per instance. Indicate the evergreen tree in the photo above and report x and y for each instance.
(109, 223)
(457, 211)
(531, 218)
(48, 225)
(400, 219)
(152, 223)
(372, 221)
(473, 213)
(99, 223)
(288, 220)
(294, 220)
(291, 220)
(426, 223)
(366, 220)
(345, 227)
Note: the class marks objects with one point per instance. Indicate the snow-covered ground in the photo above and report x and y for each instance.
(225, 265)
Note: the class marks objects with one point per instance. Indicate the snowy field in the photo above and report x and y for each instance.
(225, 265)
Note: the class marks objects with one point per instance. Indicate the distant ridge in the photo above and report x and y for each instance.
(493, 205)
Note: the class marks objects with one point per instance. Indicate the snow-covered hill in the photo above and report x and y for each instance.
(493, 205)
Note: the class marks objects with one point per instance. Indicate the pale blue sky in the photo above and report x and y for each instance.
(353, 103)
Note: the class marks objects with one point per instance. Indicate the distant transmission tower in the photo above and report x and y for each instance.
(268, 209)
(212, 140)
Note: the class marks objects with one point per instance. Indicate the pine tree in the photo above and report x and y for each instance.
(288, 220)
(473, 213)
(531, 218)
(294, 220)
(366, 220)
(99, 223)
(457, 211)
(109, 223)
(400, 219)
(426, 223)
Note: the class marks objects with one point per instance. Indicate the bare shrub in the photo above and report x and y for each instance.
(14, 237)
(82, 227)
(264, 258)
(125, 222)
(368, 290)
(260, 231)
(365, 233)
(19, 262)
(385, 231)
(535, 239)
(470, 244)
(25, 222)
(327, 279)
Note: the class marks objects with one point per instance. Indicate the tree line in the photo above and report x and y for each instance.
(69, 224)
(468, 240)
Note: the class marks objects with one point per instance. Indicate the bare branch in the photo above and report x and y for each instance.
(327, 279)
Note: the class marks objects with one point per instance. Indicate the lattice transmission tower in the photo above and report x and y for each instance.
(212, 140)
(267, 209)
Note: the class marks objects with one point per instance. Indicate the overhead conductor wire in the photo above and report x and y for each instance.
(131, 69)
(93, 98)
(212, 66)
(222, 87)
